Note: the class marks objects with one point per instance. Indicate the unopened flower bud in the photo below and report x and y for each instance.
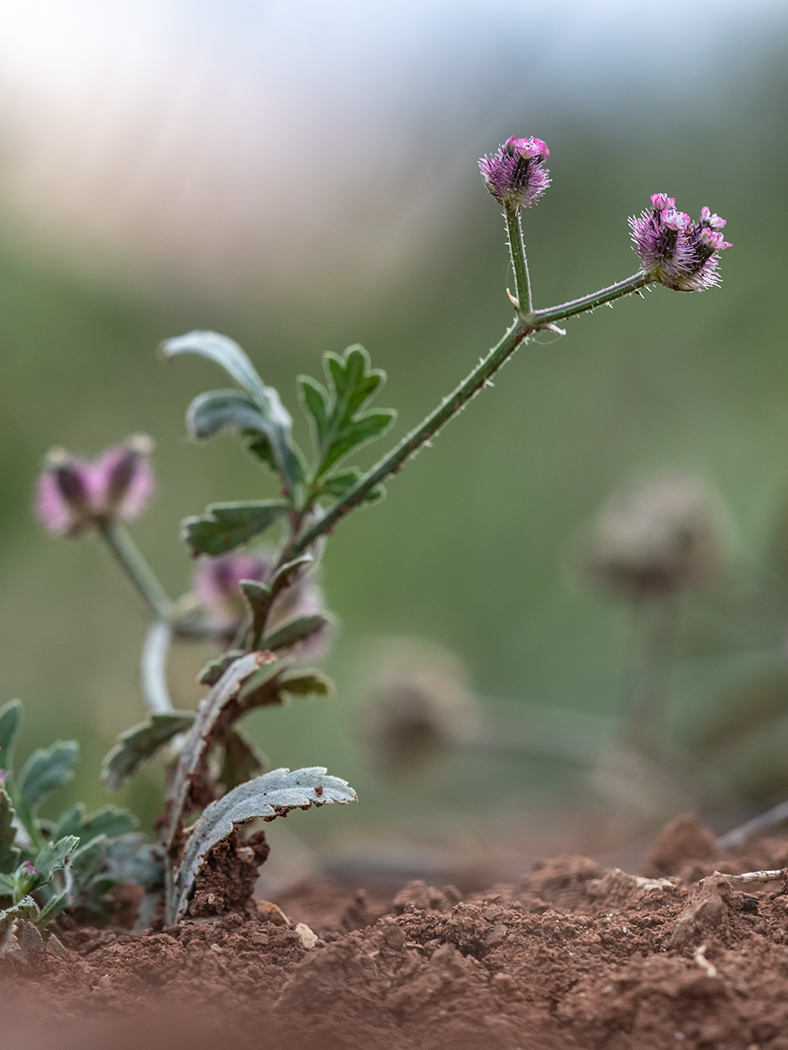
(74, 494)
(674, 250)
(516, 175)
(28, 868)
(656, 540)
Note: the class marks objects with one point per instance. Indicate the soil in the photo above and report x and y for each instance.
(572, 957)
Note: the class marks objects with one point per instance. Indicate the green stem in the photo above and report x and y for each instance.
(543, 318)
(522, 280)
(413, 441)
(130, 558)
(519, 332)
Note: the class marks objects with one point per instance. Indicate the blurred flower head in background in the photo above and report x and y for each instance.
(73, 494)
(677, 252)
(658, 539)
(217, 586)
(417, 704)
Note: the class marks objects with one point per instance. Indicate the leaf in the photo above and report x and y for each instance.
(140, 743)
(337, 423)
(339, 483)
(271, 795)
(276, 419)
(261, 448)
(215, 668)
(7, 884)
(225, 526)
(25, 909)
(200, 740)
(262, 688)
(54, 857)
(10, 721)
(241, 760)
(224, 352)
(260, 597)
(298, 629)
(306, 682)
(109, 820)
(51, 910)
(9, 855)
(46, 770)
(219, 411)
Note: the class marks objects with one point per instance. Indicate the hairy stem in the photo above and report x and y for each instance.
(153, 667)
(522, 280)
(130, 558)
(542, 318)
(519, 332)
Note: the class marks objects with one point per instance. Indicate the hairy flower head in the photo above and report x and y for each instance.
(674, 250)
(515, 175)
(73, 493)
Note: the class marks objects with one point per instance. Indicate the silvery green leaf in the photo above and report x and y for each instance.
(224, 352)
(220, 411)
(200, 739)
(54, 857)
(261, 688)
(10, 721)
(140, 743)
(7, 884)
(109, 820)
(51, 909)
(45, 770)
(271, 795)
(298, 629)
(9, 855)
(225, 526)
(260, 597)
(276, 420)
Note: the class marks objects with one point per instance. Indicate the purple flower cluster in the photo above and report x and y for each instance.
(516, 175)
(73, 494)
(674, 250)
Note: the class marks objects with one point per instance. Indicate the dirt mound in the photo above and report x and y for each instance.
(572, 957)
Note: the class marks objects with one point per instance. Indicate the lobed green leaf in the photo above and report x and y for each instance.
(9, 854)
(225, 526)
(54, 857)
(220, 411)
(109, 821)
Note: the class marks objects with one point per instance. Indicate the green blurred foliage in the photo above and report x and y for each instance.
(469, 547)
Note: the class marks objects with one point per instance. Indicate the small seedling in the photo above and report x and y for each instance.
(262, 607)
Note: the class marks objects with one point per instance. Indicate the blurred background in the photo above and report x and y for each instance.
(301, 176)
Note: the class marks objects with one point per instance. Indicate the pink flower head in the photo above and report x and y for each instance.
(674, 250)
(28, 868)
(72, 493)
(516, 175)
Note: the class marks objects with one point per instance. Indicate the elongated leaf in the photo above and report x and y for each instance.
(316, 401)
(140, 743)
(53, 907)
(298, 629)
(7, 884)
(306, 682)
(199, 742)
(271, 795)
(339, 483)
(10, 721)
(224, 352)
(45, 770)
(9, 855)
(109, 820)
(225, 526)
(219, 411)
(215, 668)
(276, 419)
(262, 688)
(54, 857)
